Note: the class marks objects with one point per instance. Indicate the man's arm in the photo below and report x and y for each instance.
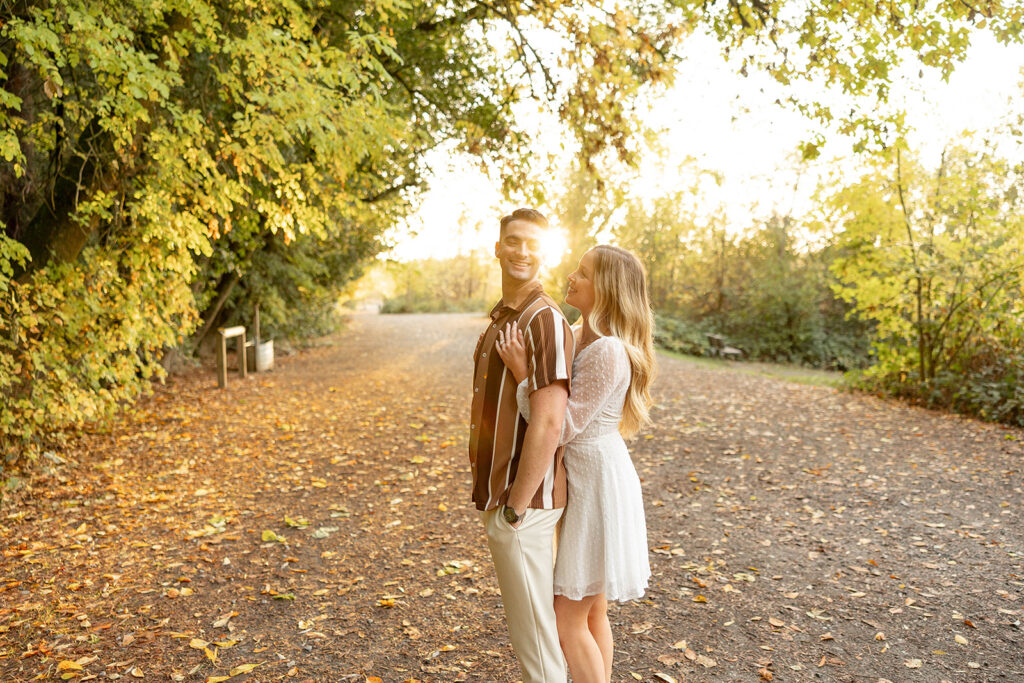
(547, 411)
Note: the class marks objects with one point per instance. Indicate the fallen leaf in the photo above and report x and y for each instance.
(223, 620)
(243, 669)
(706, 661)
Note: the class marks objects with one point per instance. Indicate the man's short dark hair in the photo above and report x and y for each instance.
(529, 215)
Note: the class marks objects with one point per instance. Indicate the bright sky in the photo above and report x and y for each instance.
(730, 124)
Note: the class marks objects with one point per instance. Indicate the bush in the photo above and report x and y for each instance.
(680, 336)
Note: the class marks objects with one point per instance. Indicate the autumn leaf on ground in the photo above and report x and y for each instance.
(269, 535)
(243, 669)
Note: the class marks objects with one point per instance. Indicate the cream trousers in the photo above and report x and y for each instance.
(524, 560)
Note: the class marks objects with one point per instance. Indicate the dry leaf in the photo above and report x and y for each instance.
(243, 669)
(706, 661)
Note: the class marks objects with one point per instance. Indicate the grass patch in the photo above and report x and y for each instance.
(789, 373)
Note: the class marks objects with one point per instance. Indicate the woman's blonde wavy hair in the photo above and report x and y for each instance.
(622, 309)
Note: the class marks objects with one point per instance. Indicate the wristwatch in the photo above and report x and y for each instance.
(510, 515)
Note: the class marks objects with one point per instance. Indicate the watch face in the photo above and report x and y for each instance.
(510, 515)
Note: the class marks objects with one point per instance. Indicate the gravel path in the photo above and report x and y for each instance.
(314, 522)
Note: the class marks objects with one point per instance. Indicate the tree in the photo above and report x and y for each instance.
(936, 259)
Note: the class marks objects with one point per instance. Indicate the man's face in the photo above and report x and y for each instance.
(518, 251)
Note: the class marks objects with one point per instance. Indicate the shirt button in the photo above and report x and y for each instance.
(472, 426)
(476, 389)
(485, 354)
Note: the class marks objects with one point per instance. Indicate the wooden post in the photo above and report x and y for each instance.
(222, 361)
(222, 357)
(256, 327)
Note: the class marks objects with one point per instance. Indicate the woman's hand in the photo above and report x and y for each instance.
(511, 347)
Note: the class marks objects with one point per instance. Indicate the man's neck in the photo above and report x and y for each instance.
(512, 290)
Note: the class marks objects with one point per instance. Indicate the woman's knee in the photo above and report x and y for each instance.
(569, 614)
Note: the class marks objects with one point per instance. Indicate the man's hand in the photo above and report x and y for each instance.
(511, 347)
(547, 411)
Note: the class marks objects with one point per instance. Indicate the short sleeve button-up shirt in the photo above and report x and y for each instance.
(497, 429)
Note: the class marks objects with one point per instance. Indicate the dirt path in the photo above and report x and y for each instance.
(314, 521)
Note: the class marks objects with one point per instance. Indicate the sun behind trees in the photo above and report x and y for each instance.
(165, 166)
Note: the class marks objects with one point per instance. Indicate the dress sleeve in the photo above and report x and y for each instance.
(597, 375)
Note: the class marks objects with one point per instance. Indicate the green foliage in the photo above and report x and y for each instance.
(764, 291)
(937, 261)
(853, 48)
(466, 283)
(680, 336)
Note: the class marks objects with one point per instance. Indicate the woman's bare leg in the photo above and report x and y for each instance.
(581, 650)
(601, 630)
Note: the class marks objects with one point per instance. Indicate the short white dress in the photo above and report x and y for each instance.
(603, 542)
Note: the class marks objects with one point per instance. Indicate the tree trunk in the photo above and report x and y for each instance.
(53, 235)
(227, 284)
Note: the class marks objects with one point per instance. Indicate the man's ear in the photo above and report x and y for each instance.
(497, 247)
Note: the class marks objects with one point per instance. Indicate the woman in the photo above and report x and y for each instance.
(602, 552)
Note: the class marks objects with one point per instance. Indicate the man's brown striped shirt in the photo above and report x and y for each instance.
(497, 429)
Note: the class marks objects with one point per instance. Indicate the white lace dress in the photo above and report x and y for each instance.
(603, 543)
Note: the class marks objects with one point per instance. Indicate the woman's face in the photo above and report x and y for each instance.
(580, 294)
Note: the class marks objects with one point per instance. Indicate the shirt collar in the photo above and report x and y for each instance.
(526, 295)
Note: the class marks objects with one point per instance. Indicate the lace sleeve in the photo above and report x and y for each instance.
(599, 371)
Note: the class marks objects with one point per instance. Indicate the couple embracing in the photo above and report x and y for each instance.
(550, 405)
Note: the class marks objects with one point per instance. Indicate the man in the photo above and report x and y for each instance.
(518, 477)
